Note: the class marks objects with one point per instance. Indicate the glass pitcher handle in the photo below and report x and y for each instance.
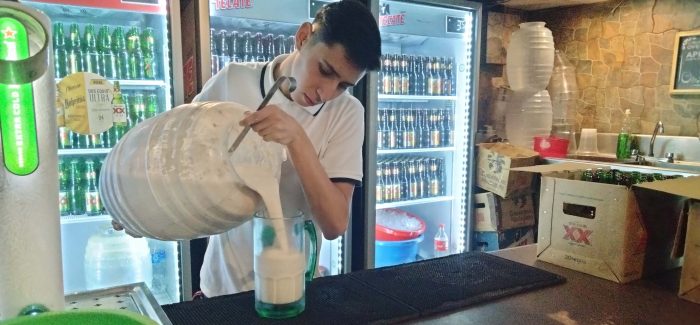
(311, 263)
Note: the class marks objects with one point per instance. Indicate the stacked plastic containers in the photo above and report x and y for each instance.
(564, 93)
(114, 258)
(529, 65)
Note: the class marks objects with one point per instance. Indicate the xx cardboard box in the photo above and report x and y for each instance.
(494, 213)
(494, 168)
(495, 240)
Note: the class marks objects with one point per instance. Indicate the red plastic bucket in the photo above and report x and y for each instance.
(395, 224)
(551, 146)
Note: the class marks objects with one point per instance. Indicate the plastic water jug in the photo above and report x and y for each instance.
(530, 57)
(172, 177)
(533, 118)
(114, 258)
(563, 90)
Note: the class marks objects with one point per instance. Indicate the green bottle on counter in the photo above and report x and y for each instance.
(624, 138)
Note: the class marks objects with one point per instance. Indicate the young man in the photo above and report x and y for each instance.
(321, 125)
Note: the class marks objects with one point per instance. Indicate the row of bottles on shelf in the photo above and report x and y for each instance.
(405, 126)
(619, 177)
(112, 55)
(245, 46)
(409, 178)
(137, 107)
(401, 74)
(78, 180)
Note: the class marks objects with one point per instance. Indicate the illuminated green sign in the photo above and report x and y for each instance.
(17, 120)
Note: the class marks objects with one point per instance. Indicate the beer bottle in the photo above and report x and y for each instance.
(409, 132)
(422, 77)
(270, 46)
(150, 61)
(431, 77)
(380, 76)
(396, 181)
(434, 178)
(437, 77)
(451, 76)
(214, 49)
(93, 206)
(422, 179)
(119, 115)
(64, 206)
(435, 132)
(137, 109)
(80, 141)
(259, 48)
(249, 49)
(65, 138)
(387, 78)
(392, 142)
(587, 175)
(236, 51)
(121, 57)
(108, 61)
(379, 193)
(412, 181)
(405, 77)
(403, 179)
(380, 128)
(446, 79)
(291, 44)
(224, 49)
(60, 53)
(400, 126)
(76, 193)
(95, 140)
(151, 106)
(280, 45)
(396, 74)
(414, 80)
(91, 58)
(388, 183)
(135, 54)
(75, 51)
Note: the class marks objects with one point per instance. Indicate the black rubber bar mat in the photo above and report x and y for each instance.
(442, 284)
(384, 295)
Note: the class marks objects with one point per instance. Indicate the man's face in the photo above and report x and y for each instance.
(322, 72)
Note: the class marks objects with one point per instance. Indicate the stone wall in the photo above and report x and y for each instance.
(623, 52)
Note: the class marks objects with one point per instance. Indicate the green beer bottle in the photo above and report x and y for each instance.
(75, 51)
(108, 63)
(151, 106)
(150, 66)
(60, 53)
(137, 109)
(65, 138)
(121, 57)
(91, 58)
(135, 54)
(75, 188)
(93, 206)
(64, 206)
(119, 115)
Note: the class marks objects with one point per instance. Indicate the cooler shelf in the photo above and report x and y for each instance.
(84, 218)
(414, 202)
(414, 150)
(415, 97)
(83, 152)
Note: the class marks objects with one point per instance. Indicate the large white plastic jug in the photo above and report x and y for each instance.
(530, 58)
(533, 118)
(172, 177)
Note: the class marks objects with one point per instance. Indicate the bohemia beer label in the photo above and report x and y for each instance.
(86, 100)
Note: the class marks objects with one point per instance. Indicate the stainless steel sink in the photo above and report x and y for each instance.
(690, 166)
(685, 168)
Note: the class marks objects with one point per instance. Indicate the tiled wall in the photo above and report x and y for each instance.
(623, 52)
(623, 57)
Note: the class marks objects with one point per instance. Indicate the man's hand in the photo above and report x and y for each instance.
(272, 124)
(119, 227)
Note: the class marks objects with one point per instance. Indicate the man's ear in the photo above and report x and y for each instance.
(303, 34)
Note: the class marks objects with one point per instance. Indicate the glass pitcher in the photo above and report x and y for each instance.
(281, 269)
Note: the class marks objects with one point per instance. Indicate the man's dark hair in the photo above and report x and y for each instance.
(350, 24)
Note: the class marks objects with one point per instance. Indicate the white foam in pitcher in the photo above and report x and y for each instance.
(279, 276)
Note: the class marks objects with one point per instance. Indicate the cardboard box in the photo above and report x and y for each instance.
(495, 240)
(494, 213)
(494, 168)
(612, 232)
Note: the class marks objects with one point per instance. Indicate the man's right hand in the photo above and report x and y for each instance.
(119, 227)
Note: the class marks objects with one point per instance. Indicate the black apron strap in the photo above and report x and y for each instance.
(262, 80)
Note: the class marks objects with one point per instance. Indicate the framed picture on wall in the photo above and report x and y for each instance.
(685, 71)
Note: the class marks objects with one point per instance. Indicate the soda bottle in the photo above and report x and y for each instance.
(148, 47)
(64, 206)
(119, 116)
(91, 58)
(75, 52)
(121, 56)
(108, 62)
(135, 54)
(60, 53)
(93, 206)
(151, 109)
(441, 243)
(76, 191)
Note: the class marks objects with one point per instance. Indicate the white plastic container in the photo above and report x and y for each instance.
(114, 258)
(172, 177)
(563, 90)
(533, 118)
(530, 58)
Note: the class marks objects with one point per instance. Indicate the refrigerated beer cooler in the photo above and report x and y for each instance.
(134, 44)
(420, 127)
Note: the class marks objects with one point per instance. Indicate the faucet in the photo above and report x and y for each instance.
(659, 128)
